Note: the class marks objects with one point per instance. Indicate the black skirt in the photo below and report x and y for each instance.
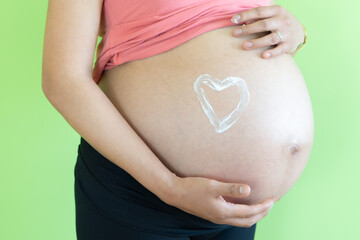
(107, 199)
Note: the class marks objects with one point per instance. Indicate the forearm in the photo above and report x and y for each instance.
(90, 113)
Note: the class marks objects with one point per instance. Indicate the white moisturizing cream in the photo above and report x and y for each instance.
(227, 121)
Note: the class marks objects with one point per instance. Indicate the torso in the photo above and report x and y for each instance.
(266, 148)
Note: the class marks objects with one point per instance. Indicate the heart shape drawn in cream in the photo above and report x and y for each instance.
(227, 121)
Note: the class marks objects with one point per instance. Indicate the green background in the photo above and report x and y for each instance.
(38, 148)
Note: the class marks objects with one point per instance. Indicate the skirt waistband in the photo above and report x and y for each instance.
(120, 196)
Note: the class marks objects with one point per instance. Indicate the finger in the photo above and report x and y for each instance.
(257, 13)
(247, 222)
(247, 211)
(230, 189)
(279, 50)
(249, 22)
(268, 40)
(264, 25)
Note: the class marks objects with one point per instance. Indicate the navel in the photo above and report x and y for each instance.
(293, 148)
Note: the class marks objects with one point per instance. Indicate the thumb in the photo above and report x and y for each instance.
(232, 189)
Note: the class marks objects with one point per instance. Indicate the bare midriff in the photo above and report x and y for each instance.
(266, 148)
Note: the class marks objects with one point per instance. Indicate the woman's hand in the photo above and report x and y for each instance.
(271, 19)
(203, 197)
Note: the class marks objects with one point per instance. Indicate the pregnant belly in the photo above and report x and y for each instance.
(269, 137)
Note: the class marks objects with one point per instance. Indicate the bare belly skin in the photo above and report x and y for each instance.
(266, 148)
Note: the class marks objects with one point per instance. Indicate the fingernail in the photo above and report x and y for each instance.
(267, 55)
(248, 44)
(270, 207)
(236, 19)
(244, 189)
(238, 32)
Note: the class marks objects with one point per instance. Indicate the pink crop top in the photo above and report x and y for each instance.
(135, 29)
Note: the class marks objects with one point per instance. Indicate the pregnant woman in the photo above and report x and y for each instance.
(187, 131)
